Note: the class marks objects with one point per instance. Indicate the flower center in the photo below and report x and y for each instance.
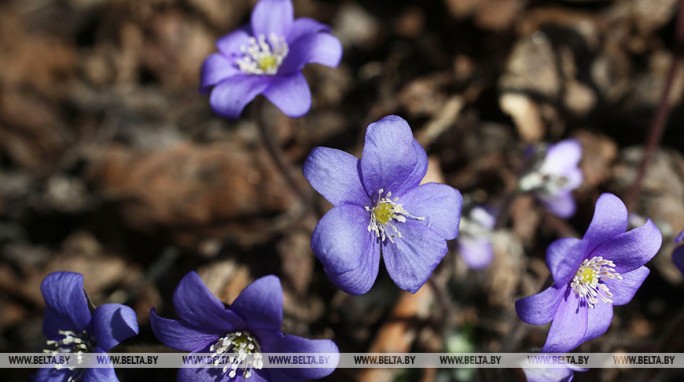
(477, 224)
(244, 344)
(71, 342)
(263, 57)
(384, 213)
(546, 183)
(588, 281)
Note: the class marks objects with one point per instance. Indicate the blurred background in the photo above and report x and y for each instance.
(113, 165)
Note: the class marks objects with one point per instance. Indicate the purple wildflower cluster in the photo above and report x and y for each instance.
(381, 213)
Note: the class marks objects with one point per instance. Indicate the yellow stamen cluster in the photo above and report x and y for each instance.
(384, 214)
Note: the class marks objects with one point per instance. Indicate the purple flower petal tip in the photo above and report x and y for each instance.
(112, 324)
(381, 210)
(266, 57)
(604, 268)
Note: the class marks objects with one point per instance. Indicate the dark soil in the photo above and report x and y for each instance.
(113, 165)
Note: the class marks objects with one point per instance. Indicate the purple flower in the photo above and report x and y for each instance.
(266, 57)
(251, 325)
(379, 208)
(475, 240)
(551, 374)
(590, 275)
(554, 176)
(71, 327)
(678, 253)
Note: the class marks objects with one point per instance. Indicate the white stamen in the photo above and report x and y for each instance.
(543, 182)
(71, 342)
(244, 344)
(385, 211)
(588, 283)
(477, 224)
(263, 57)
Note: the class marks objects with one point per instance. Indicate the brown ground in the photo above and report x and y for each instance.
(112, 164)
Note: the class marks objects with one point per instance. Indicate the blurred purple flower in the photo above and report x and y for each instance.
(266, 57)
(554, 177)
(475, 238)
(551, 374)
(71, 327)
(590, 275)
(379, 208)
(251, 325)
(678, 253)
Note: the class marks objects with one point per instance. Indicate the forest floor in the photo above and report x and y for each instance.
(112, 164)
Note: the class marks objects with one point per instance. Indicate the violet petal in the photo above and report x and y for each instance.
(411, 259)
(231, 43)
(215, 69)
(177, 335)
(290, 94)
(317, 48)
(197, 307)
(564, 257)
(439, 205)
(272, 17)
(632, 249)
(569, 325)
(624, 290)
(335, 175)
(540, 309)
(66, 304)
(598, 320)
(610, 219)
(260, 304)
(112, 324)
(389, 157)
(230, 96)
(561, 204)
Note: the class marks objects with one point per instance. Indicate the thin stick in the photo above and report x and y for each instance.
(661, 117)
(278, 158)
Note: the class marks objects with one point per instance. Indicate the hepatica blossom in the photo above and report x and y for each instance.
(249, 327)
(554, 176)
(590, 275)
(380, 209)
(475, 241)
(266, 57)
(71, 327)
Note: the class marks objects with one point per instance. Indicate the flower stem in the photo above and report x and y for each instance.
(666, 342)
(657, 127)
(278, 158)
(504, 207)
